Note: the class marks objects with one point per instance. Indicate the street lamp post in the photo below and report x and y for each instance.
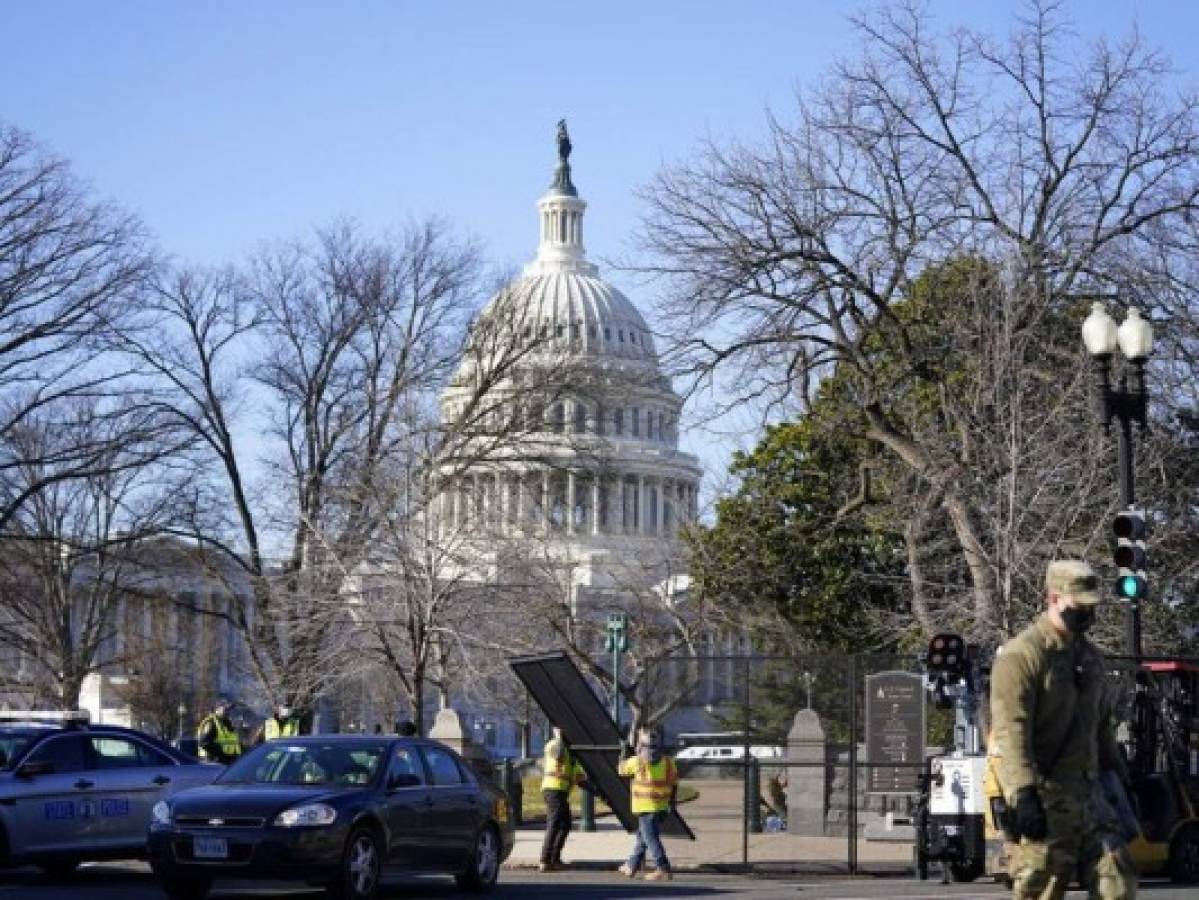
(617, 642)
(1126, 403)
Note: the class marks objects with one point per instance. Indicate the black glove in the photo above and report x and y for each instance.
(1030, 815)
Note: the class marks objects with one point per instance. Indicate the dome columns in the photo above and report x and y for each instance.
(578, 503)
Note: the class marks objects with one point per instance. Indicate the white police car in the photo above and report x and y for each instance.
(71, 791)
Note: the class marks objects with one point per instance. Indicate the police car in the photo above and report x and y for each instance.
(71, 791)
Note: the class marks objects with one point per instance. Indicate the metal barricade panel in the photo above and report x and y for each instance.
(570, 704)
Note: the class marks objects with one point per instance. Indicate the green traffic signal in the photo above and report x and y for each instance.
(1130, 587)
(1131, 557)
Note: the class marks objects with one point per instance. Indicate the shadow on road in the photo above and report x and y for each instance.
(115, 882)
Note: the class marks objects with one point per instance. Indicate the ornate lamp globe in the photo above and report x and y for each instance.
(1099, 332)
(1135, 336)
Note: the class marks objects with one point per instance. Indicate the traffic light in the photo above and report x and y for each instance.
(1131, 560)
(946, 654)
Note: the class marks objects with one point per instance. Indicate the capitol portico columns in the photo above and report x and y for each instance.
(596, 491)
(571, 501)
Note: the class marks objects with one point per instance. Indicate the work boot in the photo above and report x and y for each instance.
(658, 875)
(626, 871)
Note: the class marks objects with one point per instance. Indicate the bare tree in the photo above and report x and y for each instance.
(70, 268)
(74, 548)
(334, 341)
(1051, 171)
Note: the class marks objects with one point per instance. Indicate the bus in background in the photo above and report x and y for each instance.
(719, 754)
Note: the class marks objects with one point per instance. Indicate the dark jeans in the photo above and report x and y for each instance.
(649, 838)
(557, 825)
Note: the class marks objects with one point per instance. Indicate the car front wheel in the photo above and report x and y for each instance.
(191, 889)
(361, 864)
(59, 869)
(483, 868)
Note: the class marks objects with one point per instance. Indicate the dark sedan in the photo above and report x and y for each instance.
(333, 810)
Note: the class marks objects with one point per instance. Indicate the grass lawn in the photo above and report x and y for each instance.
(534, 806)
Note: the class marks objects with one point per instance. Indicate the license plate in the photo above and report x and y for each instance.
(210, 848)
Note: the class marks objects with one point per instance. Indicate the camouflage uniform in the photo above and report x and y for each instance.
(1047, 698)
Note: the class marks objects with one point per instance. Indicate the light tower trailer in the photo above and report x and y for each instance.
(953, 822)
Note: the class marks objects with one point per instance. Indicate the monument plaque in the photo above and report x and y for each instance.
(894, 731)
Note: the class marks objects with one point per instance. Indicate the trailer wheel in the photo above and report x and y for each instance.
(966, 871)
(1184, 854)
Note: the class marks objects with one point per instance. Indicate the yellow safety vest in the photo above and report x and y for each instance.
(272, 729)
(226, 738)
(559, 769)
(653, 783)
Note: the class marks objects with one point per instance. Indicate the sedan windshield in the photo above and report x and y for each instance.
(340, 764)
(12, 745)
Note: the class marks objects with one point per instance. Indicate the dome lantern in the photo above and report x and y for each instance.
(561, 216)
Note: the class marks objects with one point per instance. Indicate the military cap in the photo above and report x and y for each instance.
(1073, 578)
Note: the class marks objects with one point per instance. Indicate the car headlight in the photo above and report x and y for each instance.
(161, 813)
(308, 814)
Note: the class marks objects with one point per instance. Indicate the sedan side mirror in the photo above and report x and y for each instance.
(402, 780)
(31, 769)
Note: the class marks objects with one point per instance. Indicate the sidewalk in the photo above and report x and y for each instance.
(715, 817)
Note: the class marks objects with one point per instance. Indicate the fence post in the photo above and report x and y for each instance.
(853, 765)
(753, 791)
(587, 809)
(745, 726)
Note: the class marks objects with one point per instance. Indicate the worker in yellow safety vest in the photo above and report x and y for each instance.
(284, 723)
(560, 772)
(655, 784)
(217, 736)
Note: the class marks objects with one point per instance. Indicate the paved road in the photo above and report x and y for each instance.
(133, 882)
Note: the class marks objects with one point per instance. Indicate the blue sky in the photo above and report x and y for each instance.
(224, 124)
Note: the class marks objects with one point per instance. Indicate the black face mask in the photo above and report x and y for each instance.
(1078, 618)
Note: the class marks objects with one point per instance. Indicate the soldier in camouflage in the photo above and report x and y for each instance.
(1053, 739)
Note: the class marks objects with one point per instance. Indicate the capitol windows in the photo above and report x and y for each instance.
(558, 419)
(618, 422)
(607, 333)
(574, 332)
(560, 330)
(620, 334)
(636, 419)
(580, 418)
(599, 418)
(649, 424)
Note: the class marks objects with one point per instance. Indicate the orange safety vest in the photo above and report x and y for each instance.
(653, 783)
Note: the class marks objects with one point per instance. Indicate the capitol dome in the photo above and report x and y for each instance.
(586, 441)
(560, 301)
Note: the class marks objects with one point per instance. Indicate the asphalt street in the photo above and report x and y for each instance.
(133, 882)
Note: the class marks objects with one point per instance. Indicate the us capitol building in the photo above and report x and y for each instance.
(591, 474)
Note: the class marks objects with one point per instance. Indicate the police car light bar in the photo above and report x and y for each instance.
(56, 716)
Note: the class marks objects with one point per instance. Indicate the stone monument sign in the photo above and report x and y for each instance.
(894, 731)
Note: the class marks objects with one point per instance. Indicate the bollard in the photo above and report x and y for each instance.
(753, 794)
(587, 809)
